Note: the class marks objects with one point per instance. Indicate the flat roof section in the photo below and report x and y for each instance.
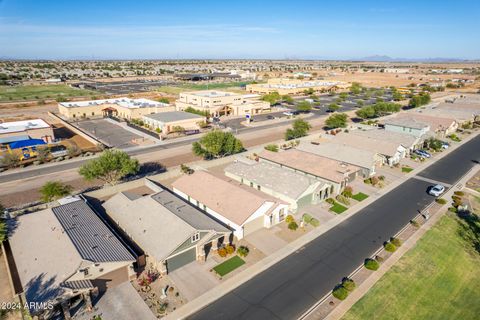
(19, 126)
(172, 116)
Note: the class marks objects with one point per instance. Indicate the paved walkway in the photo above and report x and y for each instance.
(232, 283)
(357, 294)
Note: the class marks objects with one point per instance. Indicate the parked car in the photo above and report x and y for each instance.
(422, 153)
(270, 117)
(288, 113)
(445, 145)
(436, 190)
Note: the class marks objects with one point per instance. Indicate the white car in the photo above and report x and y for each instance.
(288, 113)
(436, 190)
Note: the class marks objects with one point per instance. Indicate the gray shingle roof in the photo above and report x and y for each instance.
(173, 116)
(91, 237)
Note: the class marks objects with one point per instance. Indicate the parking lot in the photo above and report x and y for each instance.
(110, 134)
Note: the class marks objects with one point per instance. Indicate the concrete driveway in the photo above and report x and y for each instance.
(120, 302)
(194, 279)
(266, 241)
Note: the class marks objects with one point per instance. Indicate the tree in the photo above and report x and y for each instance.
(53, 190)
(11, 160)
(299, 129)
(73, 150)
(309, 91)
(287, 99)
(110, 167)
(420, 99)
(337, 120)
(304, 106)
(333, 107)
(164, 100)
(377, 110)
(355, 88)
(272, 98)
(43, 153)
(217, 144)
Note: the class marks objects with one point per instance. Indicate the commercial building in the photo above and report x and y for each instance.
(65, 253)
(221, 103)
(243, 209)
(294, 188)
(26, 129)
(171, 232)
(335, 173)
(119, 107)
(295, 86)
(167, 121)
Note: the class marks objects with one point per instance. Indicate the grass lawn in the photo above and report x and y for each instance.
(19, 93)
(438, 279)
(360, 196)
(407, 169)
(338, 208)
(229, 265)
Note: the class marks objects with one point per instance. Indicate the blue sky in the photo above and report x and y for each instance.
(241, 29)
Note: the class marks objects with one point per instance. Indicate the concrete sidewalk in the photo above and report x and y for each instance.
(232, 283)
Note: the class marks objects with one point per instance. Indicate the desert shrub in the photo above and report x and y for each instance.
(314, 222)
(379, 259)
(289, 219)
(381, 178)
(368, 181)
(348, 192)
(415, 223)
(396, 242)
(230, 249)
(307, 218)
(340, 293)
(293, 226)
(222, 252)
(348, 284)
(371, 264)
(243, 251)
(342, 199)
(330, 200)
(441, 201)
(452, 209)
(459, 193)
(272, 147)
(186, 169)
(374, 180)
(390, 247)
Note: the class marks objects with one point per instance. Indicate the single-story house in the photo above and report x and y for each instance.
(66, 252)
(168, 121)
(462, 110)
(291, 187)
(438, 126)
(392, 146)
(170, 231)
(335, 173)
(366, 160)
(243, 209)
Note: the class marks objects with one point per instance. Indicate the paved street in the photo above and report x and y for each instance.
(290, 287)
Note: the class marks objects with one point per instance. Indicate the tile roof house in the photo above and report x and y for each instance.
(67, 251)
(336, 173)
(243, 209)
(294, 188)
(170, 231)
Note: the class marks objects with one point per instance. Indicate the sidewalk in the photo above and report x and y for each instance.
(364, 287)
(232, 283)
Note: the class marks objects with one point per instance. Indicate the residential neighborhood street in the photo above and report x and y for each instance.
(290, 287)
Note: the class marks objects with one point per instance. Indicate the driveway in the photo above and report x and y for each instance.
(266, 241)
(120, 302)
(194, 279)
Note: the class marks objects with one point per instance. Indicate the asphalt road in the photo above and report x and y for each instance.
(293, 285)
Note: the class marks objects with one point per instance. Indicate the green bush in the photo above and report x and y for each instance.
(340, 293)
(243, 251)
(415, 223)
(441, 201)
(293, 226)
(289, 219)
(459, 193)
(348, 284)
(452, 209)
(314, 222)
(367, 181)
(390, 247)
(371, 264)
(272, 147)
(396, 242)
(307, 218)
(347, 192)
(330, 200)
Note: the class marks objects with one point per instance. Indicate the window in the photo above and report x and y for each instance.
(196, 237)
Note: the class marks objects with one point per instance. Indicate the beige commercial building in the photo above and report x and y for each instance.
(219, 103)
(168, 121)
(26, 129)
(295, 86)
(120, 107)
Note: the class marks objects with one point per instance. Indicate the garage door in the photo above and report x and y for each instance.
(253, 226)
(181, 259)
